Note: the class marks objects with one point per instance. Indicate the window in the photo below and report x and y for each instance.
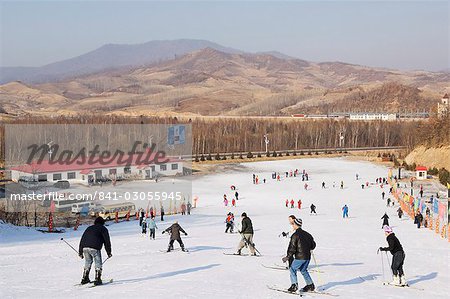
(152, 168)
(71, 175)
(127, 169)
(163, 167)
(57, 176)
(174, 166)
(42, 178)
(112, 171)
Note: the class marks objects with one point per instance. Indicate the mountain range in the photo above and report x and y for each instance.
(203, 78)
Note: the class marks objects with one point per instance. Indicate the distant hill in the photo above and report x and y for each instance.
(108, 57)
(214, 82)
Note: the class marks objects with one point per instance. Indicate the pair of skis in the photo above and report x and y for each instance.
(92, 285)
(283, 267)
(301, 294)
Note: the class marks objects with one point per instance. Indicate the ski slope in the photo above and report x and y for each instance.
(37, 265)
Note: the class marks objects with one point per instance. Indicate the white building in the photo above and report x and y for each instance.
(85, 172)
(373, 116)
(443, 106)
(421, 172)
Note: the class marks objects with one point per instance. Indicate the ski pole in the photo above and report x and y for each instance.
(247, 242)
(62, 239)
(389, 263)
(317, 267)
(105, 260)
(382, 267)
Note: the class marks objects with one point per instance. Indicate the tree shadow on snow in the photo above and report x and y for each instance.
(419, 278)
(356, 280)
(204, 248)
(166, 274)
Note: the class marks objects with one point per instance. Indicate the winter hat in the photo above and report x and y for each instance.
(387, 229)
(244, 214)
(298, 222)
(99, 220)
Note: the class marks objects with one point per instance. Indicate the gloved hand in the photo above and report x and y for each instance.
(81, 255)
(285, 259)
(185, 234)
(109, 255)
(380, 249)
(284, 234)
(163, 232)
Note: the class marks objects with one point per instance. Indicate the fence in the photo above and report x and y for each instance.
(436, 221)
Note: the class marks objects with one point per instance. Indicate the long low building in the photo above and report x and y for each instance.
(125, 167)
(373, 116)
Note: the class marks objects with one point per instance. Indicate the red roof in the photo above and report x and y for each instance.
(86, 167)
(421, 168)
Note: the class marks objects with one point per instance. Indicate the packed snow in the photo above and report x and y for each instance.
(38, 265)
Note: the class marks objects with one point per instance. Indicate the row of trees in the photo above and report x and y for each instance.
(228, 135)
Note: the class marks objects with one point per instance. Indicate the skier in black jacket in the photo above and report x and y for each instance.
(174, 231)
(90, 247)
(385, 220)
(247, 235)
(299, 249)
(398, 256)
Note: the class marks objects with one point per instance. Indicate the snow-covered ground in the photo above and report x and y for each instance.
(37, 265)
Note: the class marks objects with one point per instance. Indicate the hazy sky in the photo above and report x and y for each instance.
(398, 34)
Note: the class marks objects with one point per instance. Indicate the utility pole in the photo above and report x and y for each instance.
(266, 141)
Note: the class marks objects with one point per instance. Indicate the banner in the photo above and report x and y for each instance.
(435, 207)
(441, 210)
(416, 204)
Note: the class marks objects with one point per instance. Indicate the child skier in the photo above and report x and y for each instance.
(299, 204)
(287, 203)
(174, 231)
(398, 256)
(152, 227)
(144, 226)
(233, 202)
(292, 203)
(229, 222)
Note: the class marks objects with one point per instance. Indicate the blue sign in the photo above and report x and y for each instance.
(176, 135)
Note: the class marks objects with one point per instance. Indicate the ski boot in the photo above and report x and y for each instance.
(170, 248)
(293, 288)
(308, 288)
(85, 278)
(403, 281)
(183, 249)
(98, 277)
(396, 280)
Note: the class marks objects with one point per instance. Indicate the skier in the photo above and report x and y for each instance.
(236, 194)
(254, 177)
(189, 207)
(388, 202)
(141, 217)
(357, 177)
(144, 226)
(342, 184)
(323, 185)
(247, 235)
(385, 220)
(306, 186)
(344, 211)
(233, 187)
(233, 202)
(313, 209)
(382, 195)
(225, 200)
(292, 203)
(400, 213)
(398, 256)
(229, 222)
(183, 208)
(418, 219)
(299, 204)
(152, 227)
(287, 203)
(162, 213)
(300, 247)
(91, 244)
(174, 231)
